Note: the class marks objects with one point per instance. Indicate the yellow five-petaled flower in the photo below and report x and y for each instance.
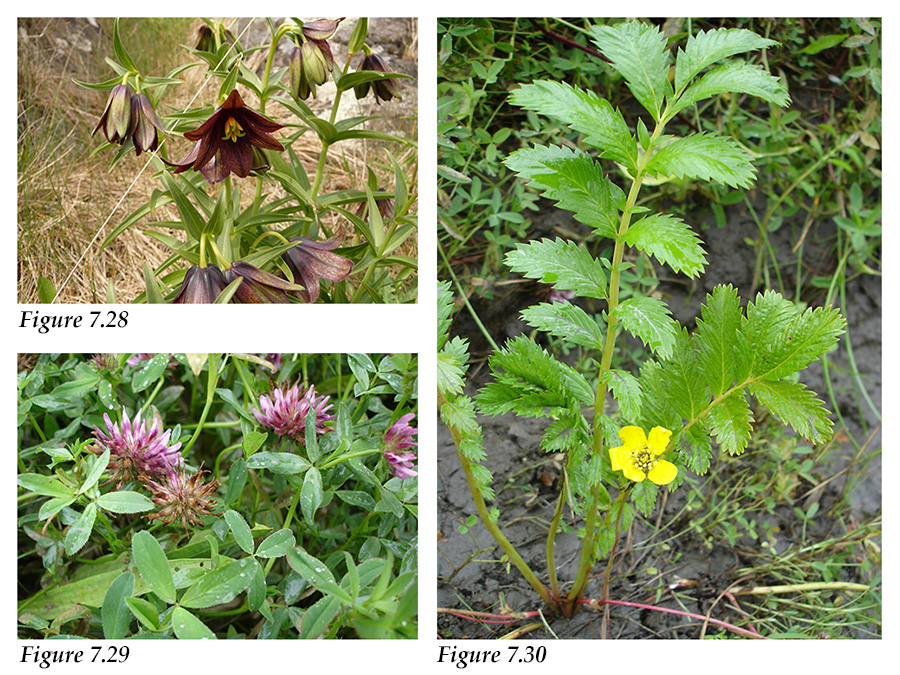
(639, 457)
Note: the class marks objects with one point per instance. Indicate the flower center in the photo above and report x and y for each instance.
(643, 459)
(233, 130)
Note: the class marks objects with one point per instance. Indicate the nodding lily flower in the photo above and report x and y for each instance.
(225, 142)
(286, 412)
(116, 118)
(384, 90)
(144, 123)
(396, 440)
(201, 285)
(258, 286)
(639, 456)
(313, 60)
(182, 497)
(138, 450)
(312, 259)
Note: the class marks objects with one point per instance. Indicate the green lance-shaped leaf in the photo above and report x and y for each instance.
(311, 494)
(705, 157)
(670, 240)
(114, 613)
(736, 76)
(240, 529)
(153, 565)
(220, 585)
(567, 321)
(584, 112)
(81, 529)
(562, 263)
(706, 48)
(715, 337)
(648, 319)
(575, 181)
(186, 626)
(124, 501)
(638, 52)
(276, 544)
(796, 406)
(731, 422)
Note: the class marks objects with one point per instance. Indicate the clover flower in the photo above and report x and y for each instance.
(639, 456)
(138, 450)
(182, 497)
(287, 409)
(312, 259)
(397, 439)
(225, 142)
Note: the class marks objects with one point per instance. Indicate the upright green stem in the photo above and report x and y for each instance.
(587, 547)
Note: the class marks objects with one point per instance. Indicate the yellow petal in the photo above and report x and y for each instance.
(659, 439)
(632, 436)
(620, 458)
(631, 472)
(663, 473)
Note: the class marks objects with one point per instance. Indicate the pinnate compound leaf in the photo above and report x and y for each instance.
(715, 337)
(451, 366)
(460, 414)
(705, 157)
(731, 422)
(736, 76)
(796, 406)
(562, 263)
(649, 319)
(444, 311)
(638, 52)
(567, 321)
(582, 111)
(706, 48)
(575, 181)
(670, 240)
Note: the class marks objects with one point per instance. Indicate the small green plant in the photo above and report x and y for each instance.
(168, 496)
(694, 387)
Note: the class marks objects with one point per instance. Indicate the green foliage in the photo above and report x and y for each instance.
(83, 521)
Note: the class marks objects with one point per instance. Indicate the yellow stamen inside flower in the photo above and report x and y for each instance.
(643, 458)
(233, 130)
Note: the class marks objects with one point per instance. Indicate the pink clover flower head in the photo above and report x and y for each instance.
(138, 450)
(286, 411)
(397, 439)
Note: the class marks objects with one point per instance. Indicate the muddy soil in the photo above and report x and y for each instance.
(469, 574)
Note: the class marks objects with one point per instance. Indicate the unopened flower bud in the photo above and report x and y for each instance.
(144, 123)
(116, 119)
(314, 65)
(320, 29)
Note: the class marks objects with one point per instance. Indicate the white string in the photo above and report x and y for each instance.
(141, 172)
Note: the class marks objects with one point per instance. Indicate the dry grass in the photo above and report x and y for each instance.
(69, 201)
